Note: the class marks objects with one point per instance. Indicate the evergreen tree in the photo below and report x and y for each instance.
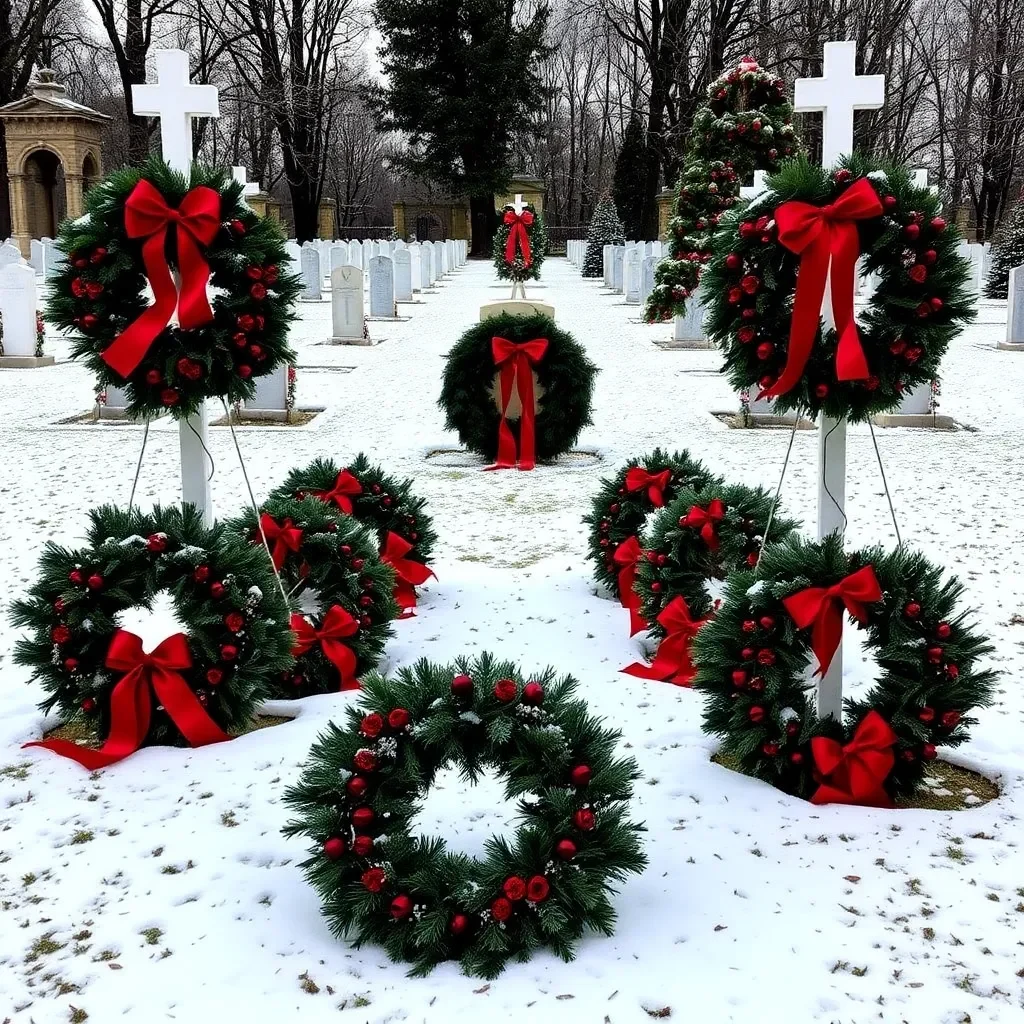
(605, 229)
(1007, 252)
(631, 178)
(463, 83)
(744, 126)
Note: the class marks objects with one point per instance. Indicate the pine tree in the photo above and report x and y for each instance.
(605, 229)
(630, 178)
(1007, 252)
(744, 126)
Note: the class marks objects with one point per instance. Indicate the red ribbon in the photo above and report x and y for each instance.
(338, 625)
(284, 536)
(627, 556)
(706, 520)
(821, 235)
(408, 574)
(856, 773)
(345, 488)
(515, 360)
(637, 478)
(672, 663)
(822, 608)
(147, 215)
(517, 235)
(131, 703)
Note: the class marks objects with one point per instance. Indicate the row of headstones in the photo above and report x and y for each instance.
(629, 269)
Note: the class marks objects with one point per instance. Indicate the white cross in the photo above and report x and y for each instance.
(749, 192)
(921, 180)
(175, 102)
(249, 188)
(518, 205)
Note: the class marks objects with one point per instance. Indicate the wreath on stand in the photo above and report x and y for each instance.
(520, 244)
(206, 682)
(383, 504)
(361, 789)
(819, 222)
(702, 535)
(517, 390)
(752, 659)
(620, 509)
(142, 225)
(328, 564)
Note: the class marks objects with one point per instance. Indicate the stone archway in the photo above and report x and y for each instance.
(45, 193)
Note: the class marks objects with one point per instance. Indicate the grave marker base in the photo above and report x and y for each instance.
(517, 307)
(25, 362)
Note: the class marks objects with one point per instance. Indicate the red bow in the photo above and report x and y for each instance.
(131, 703)
(518, 223)
(344, 489)
(638, 478)
(515, 360)
(284, 536)
(672, 663)
(408, 574)
(147, 215)
(627, 555)
(822, 608)
(856, 773)
(338, 625)
(705, 520)
(820, 234)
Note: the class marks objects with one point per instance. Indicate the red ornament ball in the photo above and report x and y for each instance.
(88, 705)
(749, 626)
(929, 752)
(821, 390)
(537, 889)
(374, 879)
(169, 396)
(60, 634)
(756, 713)
(334, 848)
(565, 849)
(581, 775)
(938, 224)
(934, 655)
(234, 621)
(950, 719)
(766, 656)
(214, 676)
(533, 693)
(362, 817)
(912, 231)
(228, 652)
(514, 888)
(217, 590)
(362, 845)
(765, 350)
(796, 757)
(770, 749)
(943, 630)
(95, 581)
(459, 924)
(401, 907)
(156, 542)
(912, 610)
(926, 715)
(739, 678)
(356, 786)
(70, 664)
(245, 371)
(501, 909)
(154, 377)
(506, 690)
(365, 760)
(747, 653)
(584, 819)
(254, 273)
(201, 573)
(398, 718)
(767, 622)
(733, 261)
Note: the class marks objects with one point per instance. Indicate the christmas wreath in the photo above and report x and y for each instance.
(384, 504)
(142, 225)
(620, 509)
(361, 788)
(206, 681)
(752, 661)
(520, 244)
(702, 535)
(766, 318)
(517, 389)
(328, 563)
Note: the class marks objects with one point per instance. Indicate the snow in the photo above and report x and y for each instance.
(755, 906)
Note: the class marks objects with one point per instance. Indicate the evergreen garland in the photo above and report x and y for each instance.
(911, 318)
(518, 269)
(605, 229)
(752, 664)
(224, 593)
(565, 376)
(360, 790)
(1007, 252)
(100, 290)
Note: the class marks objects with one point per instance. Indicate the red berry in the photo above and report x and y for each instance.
(936, 303)
(89, 321)
(95, 581)
(912, 231)
(75, 576)
(217, 590)
(757, 684)
(234, 621)
(930, 256)
(362, 817)
(584, 819)
(770, 749)
(506, 690)
(952, 671)
(244, 371)
(792, 728)
(88, 705)
(365, 760)
(912, 610)
(71, 664)
(747, 653)
(756, 713)
(228, 652)
(258, 291)
(238, 227)
(362, 845)
(358, 563)
(733, 261)
(766, 656)
(749, 626)
(58, 606)
(796, 757)
(401, 907)
(767, 622)
(580, 774)
(371, 725)
(943, 630)
(537, 889)
(514, 888)
(842, 175)
(169, 396)
(374, 879)
(365, 601)
(154, 377)
(821, 390)
(929, 752)
(934, 655)
(356, 786)
(566, 849)
(656, 587)
(765, 350)
(214, 676)
(156, 542)
(245, 322)
(459, 923)
(950, 719)
(501, 909)
(254, 273)
(938, 224)
(201, 573)
(533, 693)
(889, 202)
(926, 715)
(334, 848)
(739, 678)
(398, 718)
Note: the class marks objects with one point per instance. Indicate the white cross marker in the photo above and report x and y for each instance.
(836, 95)
(518, 205)
(749, 192)
(175, 101)
(921, 180)
(249, 188)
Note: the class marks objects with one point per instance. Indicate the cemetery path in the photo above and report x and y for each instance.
(162, 888)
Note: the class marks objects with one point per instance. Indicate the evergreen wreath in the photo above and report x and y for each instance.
(752, 659)
(99, 292)
(328, 563)
(564, 374)
(361, 788)
(383, 504)
(620, 509)
(910, 319)
(526, 259)
(238, 637)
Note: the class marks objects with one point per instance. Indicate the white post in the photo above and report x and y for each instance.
(175, 101)
(249, 188)
(836, 95)
(749, 192)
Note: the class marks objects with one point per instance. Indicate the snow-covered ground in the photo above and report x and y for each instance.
(162, 889)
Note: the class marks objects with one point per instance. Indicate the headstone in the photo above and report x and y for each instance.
(618, 256)
(347, 305)
(416, 267)
(36, 258)
(52, 258)
(426, 265)
(382, 287)
(974, 253)
(1015, 311)
(339, 256)
(355, 255)
(271, 399)
(115, 405)
(647, 278)
(917, 401)
(453, 261)
(688, 330)
(294, 252)
(403, 275)
(440, 268)
(381, 249)
(631, 274)
(657, 249)
(311, 276)
(18, 311)
(9, 254)
(399, 244)
(368, 253)
(607, 255)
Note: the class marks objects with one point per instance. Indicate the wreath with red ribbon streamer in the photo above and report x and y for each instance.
(195, 687)
(752, 662)
(520, 244)
(149, 226)
(341, 591)
(813, 228)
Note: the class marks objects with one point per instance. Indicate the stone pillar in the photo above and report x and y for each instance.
(19, 215)
(258, 203)
(74, 187)
(666, 197)
(274, 211)
(325, 224)
(398, 219)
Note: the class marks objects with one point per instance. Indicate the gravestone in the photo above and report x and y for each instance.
(631, 274)
(9, 254)
(382, 287)
(415, 266)
(311, 276)
(1014, 312)
(339, 256)
(618, 256)
(657, 249)
(607, 256)
(403, 275)
(399, 244)
(18, 312)
(271, 399)
(440, 267)
(36, 258)
(453, 259)
(355, 255)
(688, 330)
(347, 306)
(115, 407)
(426, 266)
(647, 278)
(52, 258)
(294, 253)
(368, 253)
